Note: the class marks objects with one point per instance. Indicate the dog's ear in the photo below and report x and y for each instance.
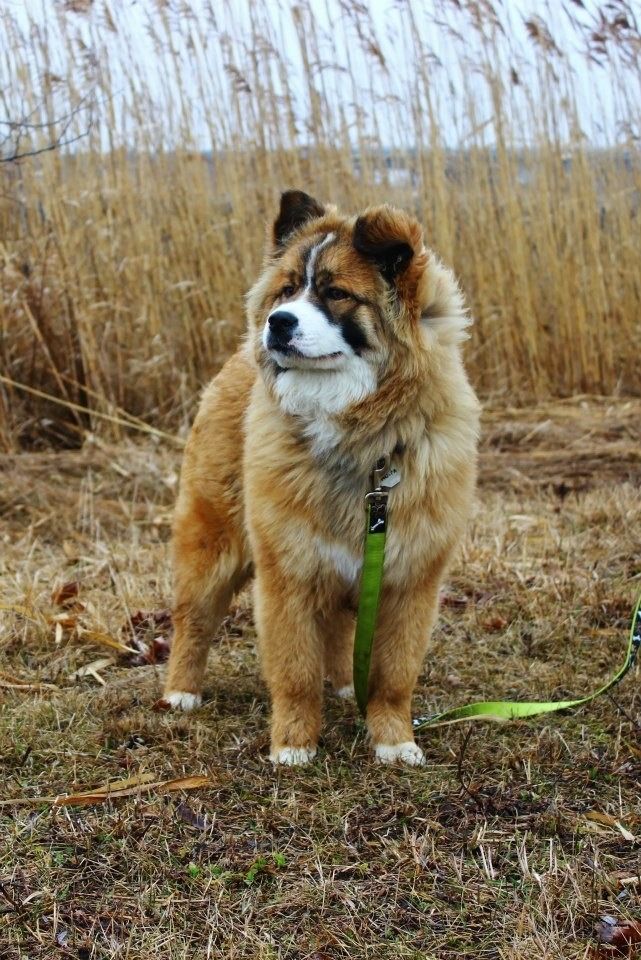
(389, 238)
(296, 208)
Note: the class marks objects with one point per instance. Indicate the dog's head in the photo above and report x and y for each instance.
(345, 303)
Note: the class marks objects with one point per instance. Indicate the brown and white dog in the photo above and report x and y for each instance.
(353, 353)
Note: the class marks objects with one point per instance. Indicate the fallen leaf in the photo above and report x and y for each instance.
(106, 791)
(596, 816)
(65, 595)
(97, 636)
(184, 783)
(620, 935)
(91, 669)
(624, 880)
(161, 706)
(113, 791)
(148, 632)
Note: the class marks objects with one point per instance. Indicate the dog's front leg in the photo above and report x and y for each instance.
(405, 622)
(292, 661)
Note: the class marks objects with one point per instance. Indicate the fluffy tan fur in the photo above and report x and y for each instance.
(281, 494)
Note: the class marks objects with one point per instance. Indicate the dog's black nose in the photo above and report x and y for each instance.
(281, 327)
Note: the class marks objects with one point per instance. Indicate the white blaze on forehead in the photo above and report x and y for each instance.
(313, 257)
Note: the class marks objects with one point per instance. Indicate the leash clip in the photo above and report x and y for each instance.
(376, 499)
(381, 468)
(377, 496)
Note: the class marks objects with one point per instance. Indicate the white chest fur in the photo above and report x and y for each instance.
(338, 559)
(310, 393)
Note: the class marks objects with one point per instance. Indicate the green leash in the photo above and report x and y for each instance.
(371, 583)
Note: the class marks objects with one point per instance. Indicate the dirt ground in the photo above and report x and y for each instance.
(512, 843)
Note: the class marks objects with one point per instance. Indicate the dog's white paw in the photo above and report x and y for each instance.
(345, 693)
(293, 756)
(183, 701)
(409, 753)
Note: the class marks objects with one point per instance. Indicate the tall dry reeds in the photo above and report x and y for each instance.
(125, 252)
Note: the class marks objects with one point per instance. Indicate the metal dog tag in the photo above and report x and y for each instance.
(391, 478)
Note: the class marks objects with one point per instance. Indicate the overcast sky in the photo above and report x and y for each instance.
(346, 36)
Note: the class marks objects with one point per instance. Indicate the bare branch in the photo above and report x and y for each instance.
(18, 130)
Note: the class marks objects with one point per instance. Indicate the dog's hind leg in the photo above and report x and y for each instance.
(211, 557)
(210, 565)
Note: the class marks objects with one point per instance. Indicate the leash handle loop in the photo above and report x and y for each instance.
(502, 710)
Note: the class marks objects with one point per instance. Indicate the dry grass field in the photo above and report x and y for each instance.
(512, 843)
(125, 253)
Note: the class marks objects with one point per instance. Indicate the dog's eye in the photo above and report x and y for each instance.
(288, 290)
(335, 293)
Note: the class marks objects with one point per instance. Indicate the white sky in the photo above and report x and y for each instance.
(206, 40)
